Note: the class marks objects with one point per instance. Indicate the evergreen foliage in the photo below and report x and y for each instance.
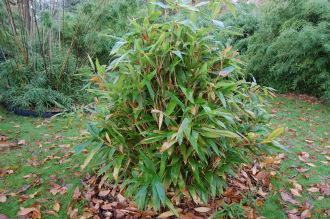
(46, 67)
(175, 113)
(290, 51)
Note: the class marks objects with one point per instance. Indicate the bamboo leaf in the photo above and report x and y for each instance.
(182, 129)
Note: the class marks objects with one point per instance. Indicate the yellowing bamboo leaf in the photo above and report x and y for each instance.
(115, 173)
(167, 144)
(277, 132)
(108, 138)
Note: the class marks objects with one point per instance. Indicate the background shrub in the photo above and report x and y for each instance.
(290, 50)
(175, 113)
(43, 64)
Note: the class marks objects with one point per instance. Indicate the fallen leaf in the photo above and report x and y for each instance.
(21, 142)
(104, 193)
(189, 215)
(107, 206)
(121, 198)
(261, 192)
(72, 213)
(288, 198)
(25, 211)
(306, 214)
(311, 164)
(313, 189)
(58, 189)
(51, 213)
(76, 194)
(166, 214)
(309, 141)
(3, 198)
(302, 170)
(325, 190)
(56, 207)
(297, 186)
(202, 209)
(23, 189)
(295, 192)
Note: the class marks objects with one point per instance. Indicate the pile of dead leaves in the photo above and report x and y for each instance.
(304, 97)
(106, 201)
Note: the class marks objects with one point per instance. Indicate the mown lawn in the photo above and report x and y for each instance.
(307, 130)
(46, 145)
(45, 153)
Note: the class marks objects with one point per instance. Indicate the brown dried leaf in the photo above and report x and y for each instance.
(166, 214)
(56, 207)
(306, 214)
(325, 190)
(295, 192)
(25, 211)
(313, 189)
(202, 209)
(76, 194)
(288, 198)
(121, 198)
(302, 170)
(72, 213)
(104, 193)
(107, 206)
(3, 198)
(311, 164)
(21, 142)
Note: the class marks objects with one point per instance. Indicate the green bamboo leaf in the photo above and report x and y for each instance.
(117, 46)
(218, 24)
(188, 93)
(160, 190)
(91, 155)
(155, 197)
(215, 133)
(141, 197)
(152, 139)
(178, 53)
(170, 107)
(184, 127)
(151, 91)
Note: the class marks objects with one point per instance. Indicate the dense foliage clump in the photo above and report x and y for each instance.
(44, 48)
(241, 25)
(175, 112)
(290, 50)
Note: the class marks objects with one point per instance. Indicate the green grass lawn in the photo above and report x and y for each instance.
(43, 138)
(307, 130)
(307, 127)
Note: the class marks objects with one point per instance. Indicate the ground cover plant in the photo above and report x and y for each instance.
(176, 113)
(290, 49)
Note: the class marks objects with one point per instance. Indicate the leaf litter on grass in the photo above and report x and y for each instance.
(305, 172)
(308, 149)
